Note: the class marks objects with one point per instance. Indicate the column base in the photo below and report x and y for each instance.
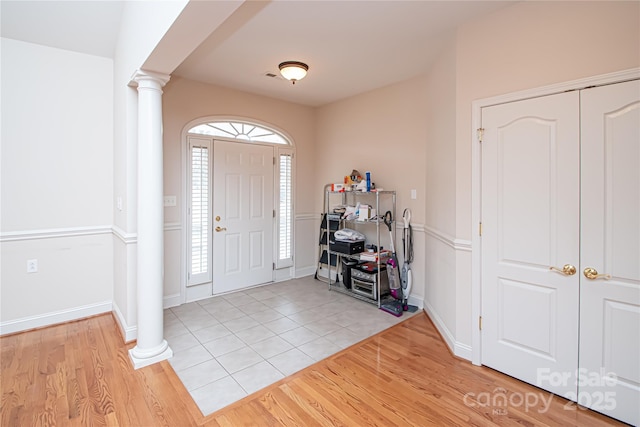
(140, 359)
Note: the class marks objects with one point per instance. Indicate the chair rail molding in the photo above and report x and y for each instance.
(52, 233)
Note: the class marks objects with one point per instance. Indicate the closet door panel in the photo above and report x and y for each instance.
(530, 222)
(609, 380)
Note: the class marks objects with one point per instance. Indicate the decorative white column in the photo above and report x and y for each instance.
(151, 347)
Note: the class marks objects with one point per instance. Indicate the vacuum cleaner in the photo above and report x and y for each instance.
(400, 285)
(394, 306)
(406, 277)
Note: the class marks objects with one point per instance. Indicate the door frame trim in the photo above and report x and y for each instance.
(184, 181)
(476, 179)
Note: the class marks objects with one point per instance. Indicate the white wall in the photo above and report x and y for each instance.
(142, 27)
(154, 36)
(56, 185)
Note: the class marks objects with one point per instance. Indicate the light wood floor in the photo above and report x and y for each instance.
(79, 374)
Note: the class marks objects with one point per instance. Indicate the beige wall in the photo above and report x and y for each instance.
(184, 101)
(412, 135)
(439, 257)
(528, 45)
(533, 44)
(382, 131)
(422, 127)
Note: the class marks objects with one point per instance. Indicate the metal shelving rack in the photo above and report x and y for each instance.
(382, 201)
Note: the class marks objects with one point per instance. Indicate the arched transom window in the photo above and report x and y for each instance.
(239, 130)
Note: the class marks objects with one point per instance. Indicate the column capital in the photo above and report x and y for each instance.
(142, 76)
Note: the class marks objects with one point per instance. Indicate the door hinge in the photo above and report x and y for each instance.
(480, 229)
(273, 266)
(480, 322)
(274, 213)
(274, 160)
(480, 134)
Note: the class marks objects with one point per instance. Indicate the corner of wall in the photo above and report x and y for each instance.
(128, 333)
(458, 349)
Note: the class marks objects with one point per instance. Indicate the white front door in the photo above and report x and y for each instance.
(242, 215)
(609, 380)
(530, 223)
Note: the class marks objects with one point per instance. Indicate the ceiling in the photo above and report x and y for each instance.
(350, 46)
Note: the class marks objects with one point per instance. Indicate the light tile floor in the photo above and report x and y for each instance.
(229, 346)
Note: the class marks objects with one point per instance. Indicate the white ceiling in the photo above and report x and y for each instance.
(81, 26)
(350, 46)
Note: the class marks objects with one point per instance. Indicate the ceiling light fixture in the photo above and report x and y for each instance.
(293, 70)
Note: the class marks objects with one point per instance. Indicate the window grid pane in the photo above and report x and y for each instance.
(199, 210)
(239, 130)
(284, 238)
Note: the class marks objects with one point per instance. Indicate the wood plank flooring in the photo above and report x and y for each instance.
(79, 374)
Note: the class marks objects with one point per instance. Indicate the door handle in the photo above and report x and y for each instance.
(567, 269)
(592, 274)
(219, 229)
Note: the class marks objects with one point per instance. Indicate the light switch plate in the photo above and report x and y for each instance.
(170, 201)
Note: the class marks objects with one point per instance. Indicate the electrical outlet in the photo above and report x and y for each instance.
(32, 266)
(119, 203)
(414, 194)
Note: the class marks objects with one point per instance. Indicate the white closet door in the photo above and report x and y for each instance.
(610, 214)
(530, 222)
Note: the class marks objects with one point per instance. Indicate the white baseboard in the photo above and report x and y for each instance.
(459, 349)
(171, 301)
(463, 351)
(282, 274)
(129, 333)
(198, 292)
(48, 319)
(305, 271)
(416, 301)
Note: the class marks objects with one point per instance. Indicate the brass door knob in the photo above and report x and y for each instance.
(567, 269)
(219, 229)
(592, 274)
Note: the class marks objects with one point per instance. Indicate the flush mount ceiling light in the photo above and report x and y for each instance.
(293, 70)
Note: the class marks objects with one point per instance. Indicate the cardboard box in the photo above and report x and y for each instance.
(364, 212)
